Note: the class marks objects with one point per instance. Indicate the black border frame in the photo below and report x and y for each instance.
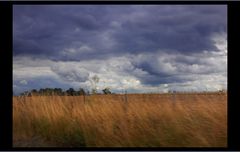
(6, 17)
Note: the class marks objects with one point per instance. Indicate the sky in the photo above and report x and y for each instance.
(138, 48)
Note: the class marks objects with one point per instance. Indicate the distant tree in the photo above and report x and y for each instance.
(57, 91)
(94, 80)
(106, 91)
(22, 94)
(81, 91)
(34, 92)
(94, 91)
(87, 92)
(48, 91)
(41, 91)
(70, 92)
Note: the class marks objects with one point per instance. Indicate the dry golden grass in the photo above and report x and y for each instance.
(146, 120)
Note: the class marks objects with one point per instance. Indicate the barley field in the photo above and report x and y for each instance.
(133, 120)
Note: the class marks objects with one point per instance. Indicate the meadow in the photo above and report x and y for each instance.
(115, 120)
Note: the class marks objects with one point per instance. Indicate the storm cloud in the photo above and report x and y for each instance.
(136, 47)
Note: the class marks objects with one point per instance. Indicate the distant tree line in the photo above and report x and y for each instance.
(61, 92)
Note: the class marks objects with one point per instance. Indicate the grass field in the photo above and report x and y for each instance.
(144, 120)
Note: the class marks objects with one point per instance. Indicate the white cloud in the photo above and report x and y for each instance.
(220, 40)
(32, 72)
(23, 82)
(76, 51)
(70, 72)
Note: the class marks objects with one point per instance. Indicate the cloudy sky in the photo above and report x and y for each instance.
(140, 48)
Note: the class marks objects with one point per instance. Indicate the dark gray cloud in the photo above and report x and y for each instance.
(127, 46)
(51, 30)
